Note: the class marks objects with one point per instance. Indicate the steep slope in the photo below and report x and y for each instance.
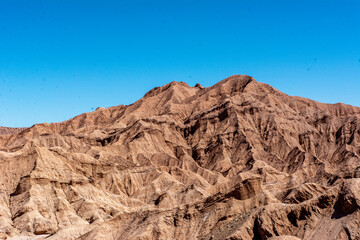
(238, 160)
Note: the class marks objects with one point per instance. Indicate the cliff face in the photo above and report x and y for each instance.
(238, 160)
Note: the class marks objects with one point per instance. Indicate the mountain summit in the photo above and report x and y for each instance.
(238, 160)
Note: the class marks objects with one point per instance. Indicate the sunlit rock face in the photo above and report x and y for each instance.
(238, 160)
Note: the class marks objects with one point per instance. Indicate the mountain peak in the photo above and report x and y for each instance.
(235, 83)
(171, 85)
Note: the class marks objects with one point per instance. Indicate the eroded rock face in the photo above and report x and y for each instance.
(8, 130)
(238, 160)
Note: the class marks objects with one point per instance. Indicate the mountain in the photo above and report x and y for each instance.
(8, 130)
(238, 160)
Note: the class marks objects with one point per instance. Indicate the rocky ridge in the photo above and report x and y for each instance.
(8, 130)
(238, 160)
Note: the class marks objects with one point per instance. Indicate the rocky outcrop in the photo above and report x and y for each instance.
(238, 160)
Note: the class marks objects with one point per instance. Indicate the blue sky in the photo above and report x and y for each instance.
(59, 59)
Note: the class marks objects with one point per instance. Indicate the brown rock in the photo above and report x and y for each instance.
(238, 160)
(8, 130)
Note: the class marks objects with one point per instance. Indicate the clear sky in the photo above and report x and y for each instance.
(60, 58)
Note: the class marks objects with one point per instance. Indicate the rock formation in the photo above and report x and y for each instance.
(8, 130)
(238, 160)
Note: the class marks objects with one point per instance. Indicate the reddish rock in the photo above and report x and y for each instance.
(238, 160)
